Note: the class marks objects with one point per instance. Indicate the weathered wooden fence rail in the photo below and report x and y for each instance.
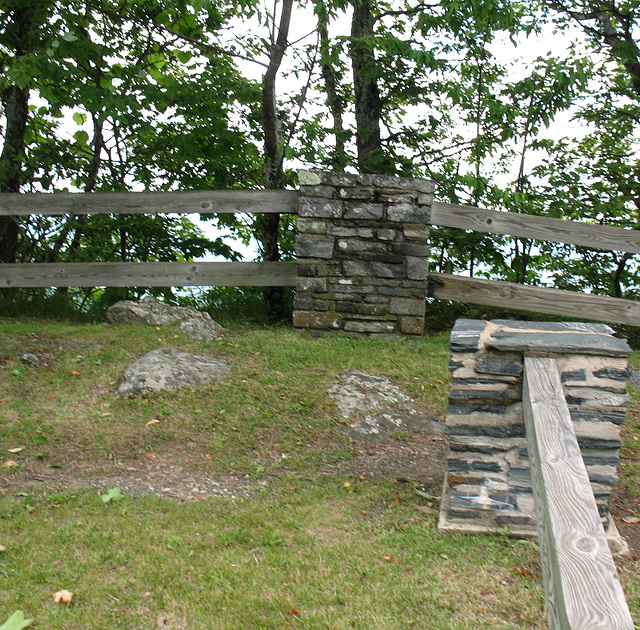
(581, 583)
(441, 286)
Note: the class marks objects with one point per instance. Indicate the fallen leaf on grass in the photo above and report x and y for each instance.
(63, 597)
(9, 464)
(390, 559)
(16, 622)
(74, 373)
(150, 454)
(17, 449)
(293, 611)
(153, 422)
(631, 519)
(113, 494)
(2, 548)
(524, 572)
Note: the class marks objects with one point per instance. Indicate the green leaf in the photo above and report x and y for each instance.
(79, 118)
(113, 494)
(16, 622)
(69, 37)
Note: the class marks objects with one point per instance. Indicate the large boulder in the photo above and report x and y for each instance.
(372, 407)
(149, 310)
(168, 368)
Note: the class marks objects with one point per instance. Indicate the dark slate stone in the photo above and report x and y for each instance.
(463, 410)
(602, 329)
(502, 431)
(482, 381)
(603, 509)
(607, 480)
(615, 417)
(601, 458)
(463, 466)
(487, 449)
(463, 341)
(469, 324)
(621, 391)
(498, 366)
(578, 375)
(523, 474)
(393, 291)
(569, 342)
(613, 374)
(454, 365)
(459, 395)
(520, 487)
(597, 443)
(634, 377)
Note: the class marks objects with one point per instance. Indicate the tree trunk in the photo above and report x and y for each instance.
(16, 107)
(267, 226)
(368, 106)
(340, 159)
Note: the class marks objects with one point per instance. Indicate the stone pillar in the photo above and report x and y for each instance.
(362, 253)
(488, 482)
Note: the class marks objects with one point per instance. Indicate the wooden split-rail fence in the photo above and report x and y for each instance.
(581, 584)
(441, 286)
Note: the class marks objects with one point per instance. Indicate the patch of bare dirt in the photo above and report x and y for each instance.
(173, 472)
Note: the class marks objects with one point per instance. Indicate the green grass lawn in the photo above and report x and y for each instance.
(311, 545)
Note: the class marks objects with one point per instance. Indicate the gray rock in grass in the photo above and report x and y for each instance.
(167, 368)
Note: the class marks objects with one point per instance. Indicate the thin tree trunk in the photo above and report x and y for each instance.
(267, 226)
(334, 102)
(16, 106)
(368, 106)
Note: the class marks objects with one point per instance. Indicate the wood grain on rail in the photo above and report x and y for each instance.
(536, 227)
(151, 274)
(539, 299)
(189, 202)
(581, 584)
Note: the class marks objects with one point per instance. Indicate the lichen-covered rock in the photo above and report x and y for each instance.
(149, 310)
(168, 368)
(373, 407)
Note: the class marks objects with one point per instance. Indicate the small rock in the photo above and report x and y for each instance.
(168, 368)
(149, 310)
(31, 359)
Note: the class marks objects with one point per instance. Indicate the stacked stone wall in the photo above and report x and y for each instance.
(488, 484)
(362, 253)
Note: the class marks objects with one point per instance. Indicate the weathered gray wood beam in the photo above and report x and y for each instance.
(581, 584)
(151, 274)
(190, 202)
(532, 226)
(538, 299)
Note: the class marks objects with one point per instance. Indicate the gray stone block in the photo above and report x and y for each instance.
(370, 327)
(485, 365)
(319, 208)
(410, 249)
(559, 342)
(555, 326)
(498, 431)
(400, 306)
(314, 247)
(613, 374)
(614, 417)
(404, 183)
(577, 375)
(417, 268)
(408, 213)
(362, 268)
(363, 211)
